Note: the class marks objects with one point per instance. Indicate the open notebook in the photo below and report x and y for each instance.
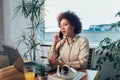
(78, 76)
(71, 74)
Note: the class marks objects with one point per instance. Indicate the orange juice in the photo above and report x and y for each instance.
(29, 75)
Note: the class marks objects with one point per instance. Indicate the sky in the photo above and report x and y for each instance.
(91, 12)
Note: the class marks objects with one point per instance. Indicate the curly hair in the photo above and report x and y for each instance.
(72, 18)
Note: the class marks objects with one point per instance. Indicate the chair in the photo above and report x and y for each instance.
(90, 59)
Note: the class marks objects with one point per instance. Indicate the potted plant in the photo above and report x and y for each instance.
(33, 11)
(41, 72)
(108, 57)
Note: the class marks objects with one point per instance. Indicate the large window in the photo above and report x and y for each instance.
(93, 13)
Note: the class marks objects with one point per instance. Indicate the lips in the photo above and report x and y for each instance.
(63, 32)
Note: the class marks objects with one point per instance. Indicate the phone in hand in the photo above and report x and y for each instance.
(60, 35)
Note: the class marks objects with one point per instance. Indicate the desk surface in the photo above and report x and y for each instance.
(91, 74)
(11, 73)
(14, 74)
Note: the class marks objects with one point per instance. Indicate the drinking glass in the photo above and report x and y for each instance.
(29, 74)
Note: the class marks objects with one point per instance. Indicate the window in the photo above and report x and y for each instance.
(91, 12)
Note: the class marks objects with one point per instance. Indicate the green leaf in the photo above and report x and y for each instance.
(41, 69)
(115, 65)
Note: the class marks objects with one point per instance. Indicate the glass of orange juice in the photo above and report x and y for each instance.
(29, 74)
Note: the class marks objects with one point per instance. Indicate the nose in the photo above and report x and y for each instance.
(62, 28)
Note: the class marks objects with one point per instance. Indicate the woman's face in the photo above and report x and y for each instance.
(66, 28)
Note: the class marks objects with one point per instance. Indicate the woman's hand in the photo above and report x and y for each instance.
(54, 62)
(56, 38)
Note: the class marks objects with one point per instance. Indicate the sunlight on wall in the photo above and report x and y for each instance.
(91, 12)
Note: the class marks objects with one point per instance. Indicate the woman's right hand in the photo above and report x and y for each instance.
(56, 38)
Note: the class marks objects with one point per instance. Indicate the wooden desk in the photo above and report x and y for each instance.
(11, 73)
(91, 74)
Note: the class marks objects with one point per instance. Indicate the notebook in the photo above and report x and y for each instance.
(78, 76)
(71, 74)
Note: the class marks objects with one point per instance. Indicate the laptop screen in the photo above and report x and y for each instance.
(14, 57)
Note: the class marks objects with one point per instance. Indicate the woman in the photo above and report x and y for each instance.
(72, 49)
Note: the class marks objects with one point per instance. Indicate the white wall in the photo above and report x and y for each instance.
(12, 27)
(1, 21)
(7, 24)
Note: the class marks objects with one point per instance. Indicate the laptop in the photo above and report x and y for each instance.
(14, 57)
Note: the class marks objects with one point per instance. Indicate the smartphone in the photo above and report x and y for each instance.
(61, 35)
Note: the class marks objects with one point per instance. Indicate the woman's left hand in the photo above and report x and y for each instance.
(54, 62)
